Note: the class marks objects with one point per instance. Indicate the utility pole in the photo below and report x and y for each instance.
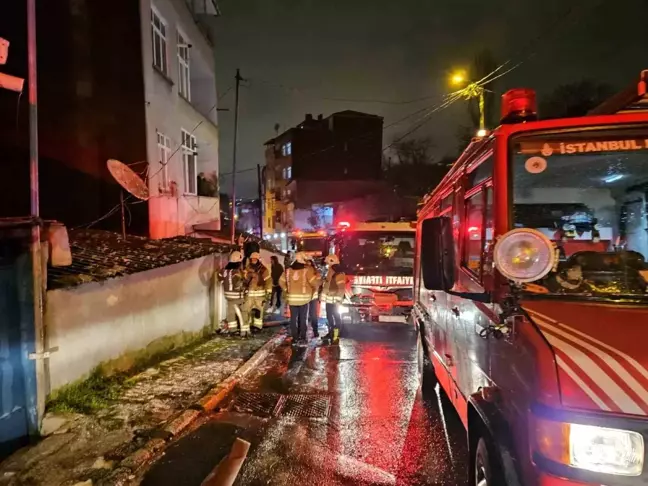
(36, 260)
(236, 113)
(260, 189)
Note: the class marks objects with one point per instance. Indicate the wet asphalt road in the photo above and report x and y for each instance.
(369, 420)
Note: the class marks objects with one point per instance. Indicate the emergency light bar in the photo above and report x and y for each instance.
(519, 105)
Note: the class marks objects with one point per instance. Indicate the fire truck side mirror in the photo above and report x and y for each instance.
(437, 254)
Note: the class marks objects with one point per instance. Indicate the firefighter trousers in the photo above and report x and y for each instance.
(237, 313)
(333, 318)
(298, 316)
(256, 305)
(313, 316)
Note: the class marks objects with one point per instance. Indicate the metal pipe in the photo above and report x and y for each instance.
(37, 274)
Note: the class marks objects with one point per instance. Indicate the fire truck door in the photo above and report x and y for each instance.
(513, 366)
(457, 351)
(434, 331)
(469, 349)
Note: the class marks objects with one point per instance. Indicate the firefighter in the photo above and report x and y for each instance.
(259, 289)
(299, 281)
(313, 305)
(333, 289)
(233, 279)
(249, 246)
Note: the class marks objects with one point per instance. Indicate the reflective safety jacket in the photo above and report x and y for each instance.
(334, 285)
(234, 283)
(299, 282)
(318, 282)
(260, 280)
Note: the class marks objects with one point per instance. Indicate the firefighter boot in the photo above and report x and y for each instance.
(257, 319)
(336, 336)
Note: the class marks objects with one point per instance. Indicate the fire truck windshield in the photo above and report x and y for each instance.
(312, 244)
(370, 252)
(588, 193)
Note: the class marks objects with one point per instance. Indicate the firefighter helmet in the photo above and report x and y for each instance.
(236, 257)
(332, 260)
(255, 256)
(301, 257)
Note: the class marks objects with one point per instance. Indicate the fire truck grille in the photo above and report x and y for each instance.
(277, 405)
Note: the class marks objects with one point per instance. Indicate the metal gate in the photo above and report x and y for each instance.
(14, 429)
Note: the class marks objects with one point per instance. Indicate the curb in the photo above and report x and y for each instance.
(212, 399)
(206, 404)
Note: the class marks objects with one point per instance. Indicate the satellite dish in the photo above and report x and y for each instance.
(128, 179)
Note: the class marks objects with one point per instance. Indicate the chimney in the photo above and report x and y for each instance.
(320, 117)
(309, 117)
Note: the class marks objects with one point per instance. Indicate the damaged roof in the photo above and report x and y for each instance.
(101, 255)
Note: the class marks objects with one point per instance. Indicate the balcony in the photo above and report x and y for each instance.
(203, 12)
(203, 7)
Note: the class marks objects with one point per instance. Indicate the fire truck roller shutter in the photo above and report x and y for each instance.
(486, 420)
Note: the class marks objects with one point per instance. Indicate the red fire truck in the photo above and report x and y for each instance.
(531, 292)
(378, 258)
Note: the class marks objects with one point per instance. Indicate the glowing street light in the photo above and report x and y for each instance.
(458, 78)
(469, 91)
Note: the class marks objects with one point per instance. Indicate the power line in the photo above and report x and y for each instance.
(304, 91)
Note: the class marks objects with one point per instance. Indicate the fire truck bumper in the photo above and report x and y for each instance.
(547, 480)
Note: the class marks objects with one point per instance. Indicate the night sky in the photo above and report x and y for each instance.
(297, 53)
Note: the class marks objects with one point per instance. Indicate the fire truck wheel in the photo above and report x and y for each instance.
(421, 360)
(486, 469)
(427, 378)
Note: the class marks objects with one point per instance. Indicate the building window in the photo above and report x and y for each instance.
(164, 150)
(158, 34)
(183, 67)
(288, 173)
(286, 149)
(189, 162)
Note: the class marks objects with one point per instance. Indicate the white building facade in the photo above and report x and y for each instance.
(181, 115)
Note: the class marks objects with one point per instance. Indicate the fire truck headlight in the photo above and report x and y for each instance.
(524, 255)
(589, 447)
(610, 451)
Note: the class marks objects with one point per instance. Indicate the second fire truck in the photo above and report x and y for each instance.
(378, 258)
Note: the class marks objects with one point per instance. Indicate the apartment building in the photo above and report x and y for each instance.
(127, 80)
(314, 166)
(181, 118)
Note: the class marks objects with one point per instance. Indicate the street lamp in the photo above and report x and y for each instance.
(469, 90)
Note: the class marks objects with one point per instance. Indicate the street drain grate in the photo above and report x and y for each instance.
(260, 404)
(307, 406)
(275, 404)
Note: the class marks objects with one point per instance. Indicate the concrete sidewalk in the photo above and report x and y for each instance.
(85, 448)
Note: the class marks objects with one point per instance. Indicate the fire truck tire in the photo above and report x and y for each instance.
(427, 377)
(486, 469)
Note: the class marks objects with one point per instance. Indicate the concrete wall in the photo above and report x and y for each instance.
(116, 320)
